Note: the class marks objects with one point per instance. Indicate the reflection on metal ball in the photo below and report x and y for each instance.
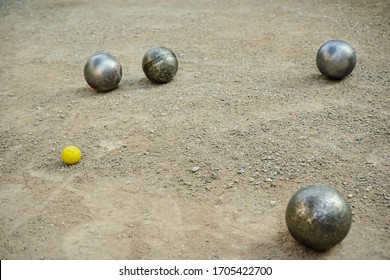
(103, 72)
(160, 65)
(318, 216)
(336, 59)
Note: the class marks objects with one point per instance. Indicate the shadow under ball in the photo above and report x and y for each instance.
(336, 59)
(103, 72)
(318, 216)
(160, 65)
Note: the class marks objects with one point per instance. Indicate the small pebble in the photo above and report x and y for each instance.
(240, 171)
(272, 202)
(195, 169)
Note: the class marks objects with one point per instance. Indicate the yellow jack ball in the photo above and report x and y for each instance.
(71, 155)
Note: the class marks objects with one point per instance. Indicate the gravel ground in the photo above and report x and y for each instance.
(202, 167)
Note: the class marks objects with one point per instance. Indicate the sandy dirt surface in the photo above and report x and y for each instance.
(202, 167)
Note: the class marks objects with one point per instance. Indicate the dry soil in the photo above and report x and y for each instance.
(202, 167)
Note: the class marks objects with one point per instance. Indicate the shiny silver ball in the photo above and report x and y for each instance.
(318, 216)
(103, 72)
(336, 59)
(160, 65)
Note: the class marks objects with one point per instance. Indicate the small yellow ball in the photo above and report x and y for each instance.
(71, 155)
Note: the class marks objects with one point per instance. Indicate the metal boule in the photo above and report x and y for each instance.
(103, 72)
(318, 216)
(336, 59)
(160, 65)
